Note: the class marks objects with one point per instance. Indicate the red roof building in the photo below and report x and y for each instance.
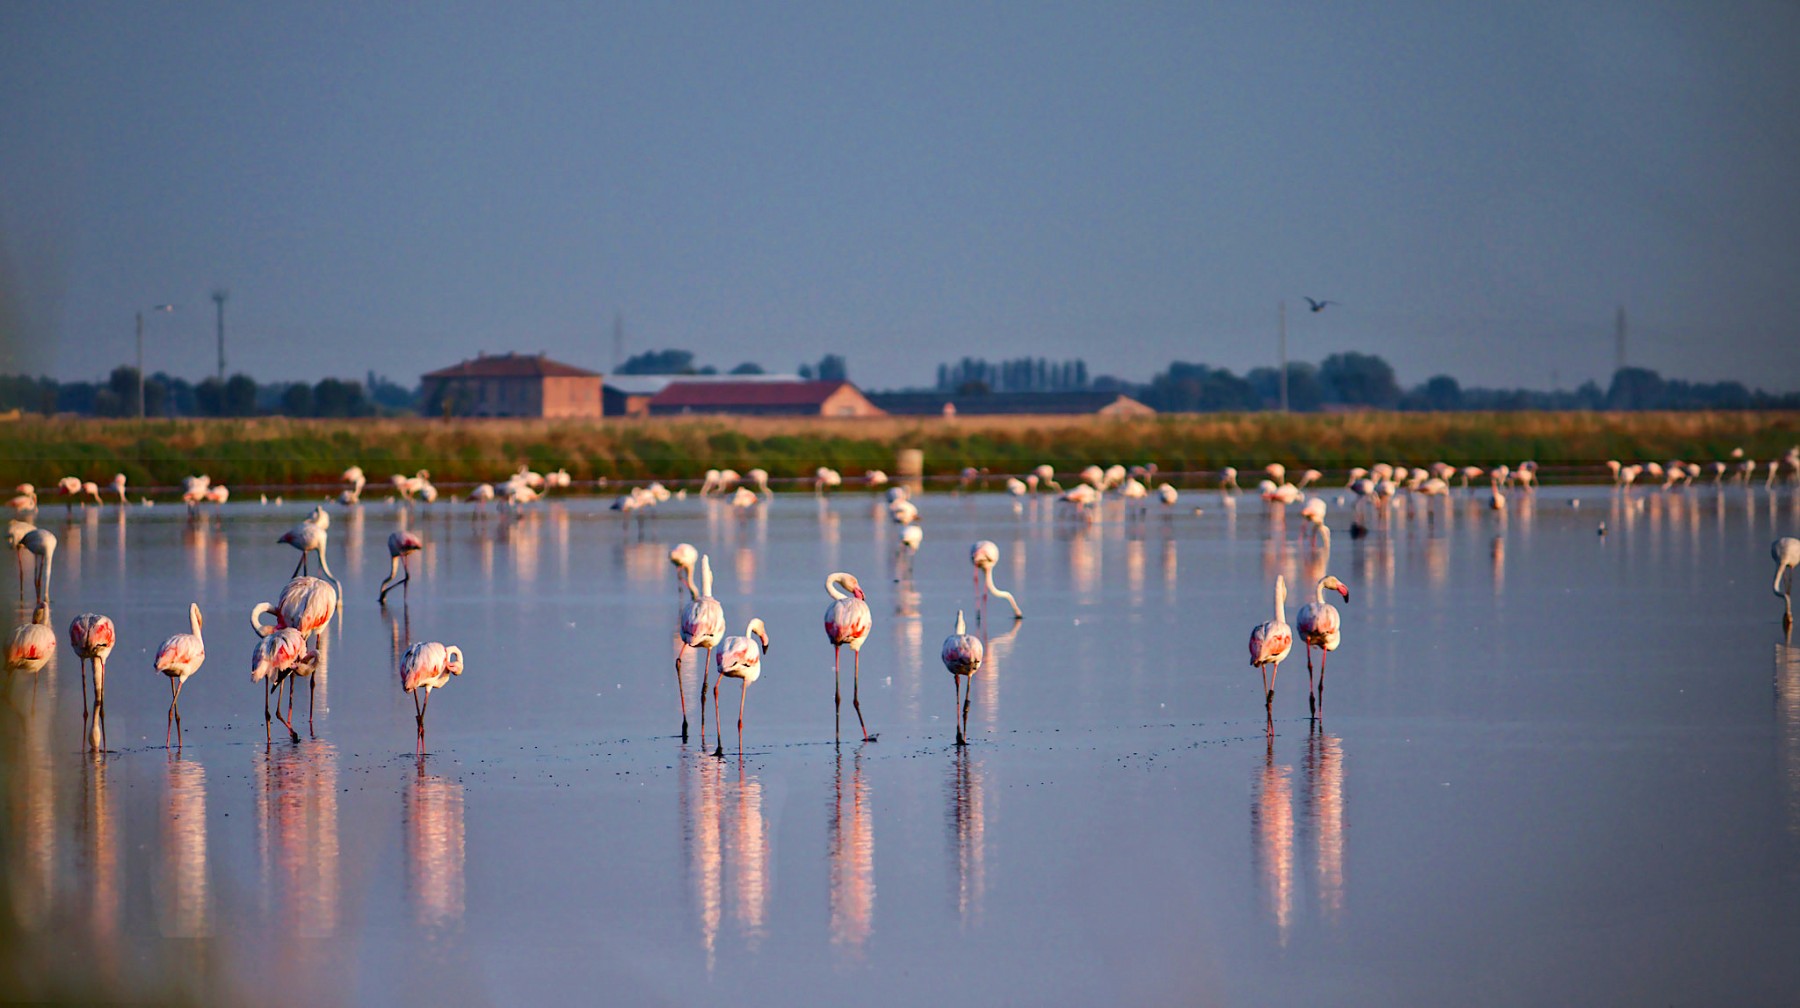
(764, 398)
(512, 385)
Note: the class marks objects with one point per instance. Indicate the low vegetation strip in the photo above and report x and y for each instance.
(287, 452)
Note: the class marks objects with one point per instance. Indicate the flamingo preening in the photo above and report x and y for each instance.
(180, 657)
(741, 659)
(277, 658)
(962, 655)
(683, 556)
(426, 666)
(1786, 553)
(1319, 625)
(847, 621)
(306, 604)
(702, 626)
(984, 555)
(400, 544)
(1270, 643)
(93, 636)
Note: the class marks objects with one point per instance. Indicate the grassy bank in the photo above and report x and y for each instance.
(279, 451)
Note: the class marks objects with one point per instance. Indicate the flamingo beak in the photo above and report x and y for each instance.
(1344, 592)
(859, 593)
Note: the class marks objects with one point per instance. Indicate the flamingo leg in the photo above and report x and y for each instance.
(705, 667)
(169, 721)
(856, 692)
(837, 702)
(1311, 708)
(742, 696)
(299, 566)
(1269, 701)
(956, 685)
(309, 707)
(719, 722)
(963, 724)
(681, 691)
(1322, 654)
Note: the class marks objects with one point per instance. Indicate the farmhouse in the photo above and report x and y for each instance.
(512, 385)
(763, 398)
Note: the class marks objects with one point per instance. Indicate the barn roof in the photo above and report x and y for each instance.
(688, 394)
(512, 365)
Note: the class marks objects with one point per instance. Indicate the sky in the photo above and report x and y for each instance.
(394, 187)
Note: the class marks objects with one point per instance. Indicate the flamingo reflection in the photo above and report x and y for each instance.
(1272, 829)
(968, 833)
(434, 848)
(1324, 769)
(298, 833)
(185, 903)
(729, 854)
(852, 836)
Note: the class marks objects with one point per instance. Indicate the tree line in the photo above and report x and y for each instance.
(237, 396)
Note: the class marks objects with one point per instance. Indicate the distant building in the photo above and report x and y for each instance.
(512, 385)
(1109, 404)
(762, 398)
(630, 394)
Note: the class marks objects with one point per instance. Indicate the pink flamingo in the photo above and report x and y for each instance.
(426, 666)
(683, 556)
(306, 604)
(93, 636)
(741, 659)
(400, 544)
(1269, 644)
(308, 537)
(277, 658)
(41, 543)
(847, 621)
(32, 644)
(178, 658)
(702, 625)
(962, 656)
(1319, 625)
(984, 555)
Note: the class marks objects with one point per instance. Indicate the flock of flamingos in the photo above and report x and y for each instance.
(283, 653)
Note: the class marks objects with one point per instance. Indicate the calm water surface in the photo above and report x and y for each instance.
(1556, 767)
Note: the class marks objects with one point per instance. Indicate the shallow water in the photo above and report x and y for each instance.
(1556, 767)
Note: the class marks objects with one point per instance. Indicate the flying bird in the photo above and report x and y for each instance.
(1319, 306)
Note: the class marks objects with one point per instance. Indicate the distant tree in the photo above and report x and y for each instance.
(209, 398)
(748, 367)
(239, 396)
(390, 395)
(333, 397)
(122, 383)
(1635, 389)
(1189, 388)
(1439, 393)
(805, 371)
(833, 368)
(297, 400)
(1360, 380)
(973, 388)
(659, 362)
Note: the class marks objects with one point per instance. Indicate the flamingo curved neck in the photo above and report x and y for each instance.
(832, 589)
(705, 576)
(988, 569)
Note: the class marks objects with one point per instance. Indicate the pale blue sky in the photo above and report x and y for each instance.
(398, 186)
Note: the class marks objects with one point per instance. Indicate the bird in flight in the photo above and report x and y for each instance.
(1318, 306)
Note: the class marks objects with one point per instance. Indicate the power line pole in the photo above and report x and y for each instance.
(219, 297)
(1281, 316)
(1619, 339)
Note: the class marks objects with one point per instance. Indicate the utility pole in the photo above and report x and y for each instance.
(1281, 316)
(1619, 339)
(140, 352)
(219, 297)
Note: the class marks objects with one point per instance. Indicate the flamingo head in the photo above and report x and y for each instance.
(760, 632)
(453, 660)
(1333, 584)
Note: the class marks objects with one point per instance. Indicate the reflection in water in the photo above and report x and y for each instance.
(727, 823)
(298, 832)
(968, 832)
(32, 809)
(185, 904)
(1272, 823)
(852, 835)
(1325, 814)
(996, 650)
(1787, 703)
(1084, 561)
(434, 848)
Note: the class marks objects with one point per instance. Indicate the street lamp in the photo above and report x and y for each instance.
(140, 349)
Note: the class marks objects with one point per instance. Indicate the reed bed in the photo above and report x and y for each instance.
(278, 451)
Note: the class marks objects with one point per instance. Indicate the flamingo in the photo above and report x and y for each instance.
(1319, 623)
(41, 543)
(1169, 496)
(355, 481)
(824, 477)
(910, 537)
(426, 666)
(16, 531)
(118, 485)
(876, 477)
(70, 488)
(741, 659)
(178, 658)
(683, 557)
(274, 659)
(400, 544)
(984, 555)
(847, 621)
(760, 477)
(306, 604)
(308, 537)
(702, 625)
(1786, 552)
(1046, 477)
(92, 636)
(32, 644)
(962, 655)
(1270, 643)
(480, 497)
